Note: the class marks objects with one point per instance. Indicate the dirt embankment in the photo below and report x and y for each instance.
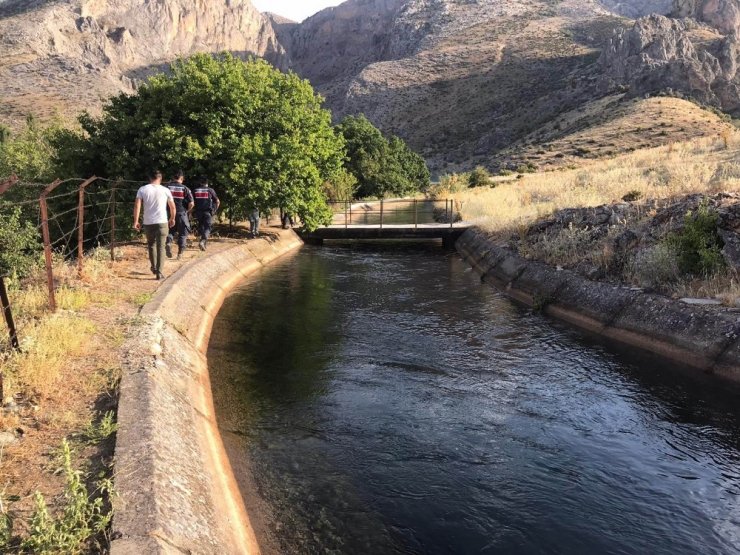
(75, 386)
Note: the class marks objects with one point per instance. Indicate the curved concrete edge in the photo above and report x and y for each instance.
(176, 490)
(694, 336)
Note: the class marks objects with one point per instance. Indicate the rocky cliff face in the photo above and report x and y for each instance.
(723, 15)
(639, 8)
(687, 56)
(61, 56)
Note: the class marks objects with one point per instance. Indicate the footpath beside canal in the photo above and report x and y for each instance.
(176, 490)
(705, 338)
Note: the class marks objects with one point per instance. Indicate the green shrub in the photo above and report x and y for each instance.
(19, 245)
(656, 266)
(83, 516)
(529, 167)
(699, 245)
(632, 196)
(479, 177)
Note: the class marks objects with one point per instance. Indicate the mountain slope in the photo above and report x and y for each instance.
(62, 56)
(466, 82)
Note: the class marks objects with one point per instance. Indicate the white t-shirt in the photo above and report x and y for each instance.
(154, 200)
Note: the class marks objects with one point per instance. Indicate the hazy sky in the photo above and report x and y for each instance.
(297, 10)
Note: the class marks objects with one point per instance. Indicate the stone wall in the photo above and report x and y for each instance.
(703, 338)
(176, 490)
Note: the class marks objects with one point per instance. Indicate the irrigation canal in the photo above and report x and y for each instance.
(383, 400)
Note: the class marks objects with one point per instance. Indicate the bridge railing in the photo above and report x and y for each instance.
(414, 212)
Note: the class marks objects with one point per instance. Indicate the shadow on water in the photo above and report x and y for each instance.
(381, 399)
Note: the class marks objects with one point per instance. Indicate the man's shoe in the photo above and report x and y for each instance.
(160, 276)
(202, 244)
(154, 270)
(179, 256)
(168, 251)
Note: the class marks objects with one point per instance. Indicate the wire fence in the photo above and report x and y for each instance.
(72, 217)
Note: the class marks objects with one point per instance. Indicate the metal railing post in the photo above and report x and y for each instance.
(350, 212)
(416, 213)
(81, 224)
(452, 212)
(345, 215)
(113, 224)
(8, 320)
(381, 213)
(47, 242)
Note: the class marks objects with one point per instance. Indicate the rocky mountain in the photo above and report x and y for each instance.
(464, 81)
(65, 55)
(697, 55)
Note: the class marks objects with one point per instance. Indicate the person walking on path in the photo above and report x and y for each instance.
(155, 199)
(184, 204)
(254, 222)
(206, 204)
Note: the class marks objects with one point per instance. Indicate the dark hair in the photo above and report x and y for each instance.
(204, 180)
(154, 174)
(178, 174)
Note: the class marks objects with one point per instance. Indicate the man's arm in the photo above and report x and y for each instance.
(173, 210)
(190, 199)
(216, 200)
(137, 212)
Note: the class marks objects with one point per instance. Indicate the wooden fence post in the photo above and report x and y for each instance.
(47, 242)
(113, 224)
(81, 225)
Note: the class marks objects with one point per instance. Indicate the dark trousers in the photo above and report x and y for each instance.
(156, 237)
(182, 228)
(205, 224)
(254, 222)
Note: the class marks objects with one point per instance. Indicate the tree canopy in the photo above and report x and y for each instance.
(260, 135)
(382, 166)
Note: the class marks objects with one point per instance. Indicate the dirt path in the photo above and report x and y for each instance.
(87, 389)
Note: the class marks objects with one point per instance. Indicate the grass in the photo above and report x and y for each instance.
(700, 166)
(688, 264)
(50, 341)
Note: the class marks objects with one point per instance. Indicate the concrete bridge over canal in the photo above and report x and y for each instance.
(396, 219)
(446, 232)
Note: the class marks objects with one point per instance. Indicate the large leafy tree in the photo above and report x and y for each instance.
(262, 136)
(382, 166)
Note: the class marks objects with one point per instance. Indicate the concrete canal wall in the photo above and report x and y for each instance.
(705, 338)
(176, 490)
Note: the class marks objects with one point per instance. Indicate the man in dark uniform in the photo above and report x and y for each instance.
(184, 204)
(206, 204)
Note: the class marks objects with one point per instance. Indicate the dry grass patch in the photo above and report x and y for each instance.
(700, 166)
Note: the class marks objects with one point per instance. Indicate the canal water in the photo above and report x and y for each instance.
(382, 400)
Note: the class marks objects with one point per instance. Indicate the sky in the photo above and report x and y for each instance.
(297, 10)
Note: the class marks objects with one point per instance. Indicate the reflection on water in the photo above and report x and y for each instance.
(380, 401)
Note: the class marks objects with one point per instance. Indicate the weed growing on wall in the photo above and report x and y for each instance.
(698, 245)
(82, 517)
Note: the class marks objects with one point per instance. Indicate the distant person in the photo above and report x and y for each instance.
(184, 204)
(254, 222)
(155, 199)
(287, 218)
(206, 205)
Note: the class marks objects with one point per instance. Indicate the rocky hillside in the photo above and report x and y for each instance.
(466, 82)
(66, 55)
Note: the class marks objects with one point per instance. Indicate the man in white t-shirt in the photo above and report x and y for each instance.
(155, 198)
